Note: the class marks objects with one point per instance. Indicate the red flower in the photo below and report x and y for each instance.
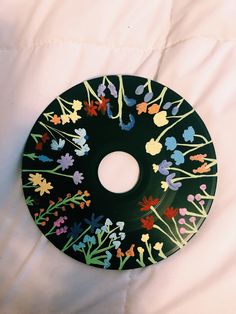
(45, 137)
(147, 203)
(102, 105)
(90, 108)
(170, 212)
(39, 146)
(147, 222)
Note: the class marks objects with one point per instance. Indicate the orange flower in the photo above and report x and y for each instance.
(55, 119)
(203, 169)
(86, 193)
(36, 214)
(72, 205)
(130, 251)
(79, 192)
(88, 202)
(81, 205)
(68, 195)
(51, 202)
(55, 213)
(63, 208)
(119, 253)
(142, 107)
(199, 157)
(41, 210)
(60, 199)
(43, 223)
(153, 109)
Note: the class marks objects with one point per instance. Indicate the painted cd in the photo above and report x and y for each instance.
(174, 191)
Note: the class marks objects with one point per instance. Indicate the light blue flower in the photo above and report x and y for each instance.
(76, 247)
(174, 186)
(128, 126)
(130, 102)
(188, 134)
(139, 89)
(175, 110)
(122, 235)
(170, 143)
(178, 157)
(148, 96)
(88, 239)
(113, 236)
(109, 255)
(98, 230)
(116, 244)
(108, 222)
(57, 145)
(83, 150)
(167, 105)
(109, 112)
(120, 224)
(44, 158)
(107, 264)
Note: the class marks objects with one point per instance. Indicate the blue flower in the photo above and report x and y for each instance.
(116, 244)
(167, 105)
(107, 264)
(93, 222)
(178, 157)
(174, 186)
(75, 230)
(44, 158)
(170, 143)
(130, 102)
(78, 247)
(120, 224)
(148, 96)
(113, 90)
(188, 134)
(109, 255)
(88, 239)
(163, 167)
(59, 145)
(83, 150)
(175, 111)
(139, 90)
(129, 125)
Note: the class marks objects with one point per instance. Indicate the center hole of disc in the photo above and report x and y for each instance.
(118, 172)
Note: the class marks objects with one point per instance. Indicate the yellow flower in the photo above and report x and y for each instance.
(160, 118)
(140, 249)
(44, 187)
(74, 116)
(35, 178)
(77, 105)
(145, 237)
(153, 147)
(158, 246)
(164, 185)
(65, 118)
(155, 167)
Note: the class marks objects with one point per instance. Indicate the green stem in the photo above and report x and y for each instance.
(198, 208)
(161, 254)
(194, 177)
(187, 145)
(140, 260)
(193, 149)
(122, 263)
(120, 97)
(180, 170)
(201, 136)
(149, 86)
(175, 242)
(68, 245)
(48, 171)
(96, 250)
(149, 249)
(50, 231)
(87, 86)
(177, 231)
(161, 97)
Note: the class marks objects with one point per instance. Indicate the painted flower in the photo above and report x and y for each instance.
(109, 112)
(170, 143)
(148, 96)
(39, 146)
(66, 161)
(160, 118)
(188, 134)
(60, 221)
(83, 150)
(116, 244)
(145, 237)
(190, 198)
(183, 211)
(155, 167)
(120, 224)
(192, 220)
(142, 107)
(44, 187)
(163, 167)
(107, 263)
(204, 168)
(130, 102)
(88, 239)
(174, 111)
(153, 147)
(44, 158)
(119, 253)
(174, 186)
(140, 249)
(164, 185)
(55, 119)
(74, 116)
(93, 222)
(57, 145)
(77, 105)
(170, 212)
(199, 157)
(78, 247)
(139, 90)
(148, 202)
(75, 230)
(203, 187)
(61, 230)
(147, 222)
(78, 177)
(65, 118)
(181, 221)
(128, 126)
(90, 108)
(182, 230)
(167, 105)
(102, 105)
(153, 109)
(45, 137)
(130, 251)
(158, 246)
(178, 157)
(112, 90)
(35, 178)
(101, 89)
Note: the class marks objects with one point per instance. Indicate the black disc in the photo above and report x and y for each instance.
(171, 199)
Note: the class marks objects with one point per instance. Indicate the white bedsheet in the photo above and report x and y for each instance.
(47, 47)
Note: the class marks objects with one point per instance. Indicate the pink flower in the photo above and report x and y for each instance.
(61, 230)
(192, 219)
(190, 198)
(202, 202)
(182, 221)
(183, 211)
(198, 197)
(182, 230)
(60, 221)
(203, 187)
